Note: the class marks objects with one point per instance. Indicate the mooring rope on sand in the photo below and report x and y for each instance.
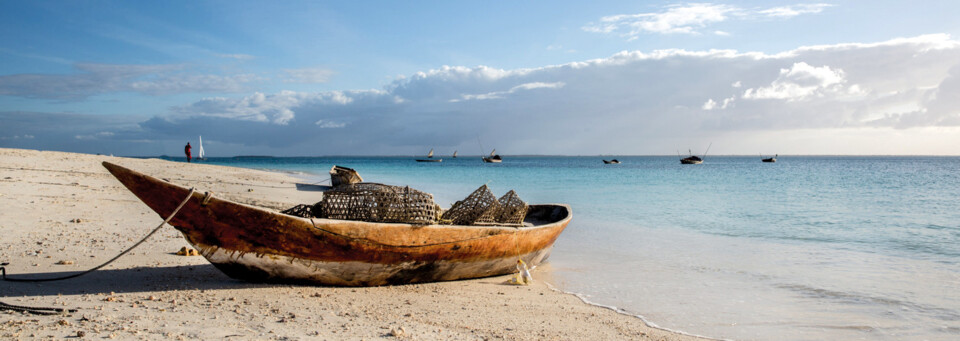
(36, 310)
(53, 311)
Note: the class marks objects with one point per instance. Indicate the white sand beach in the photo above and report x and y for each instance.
(61, 213)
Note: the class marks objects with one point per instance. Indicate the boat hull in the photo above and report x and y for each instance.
(429, 160)
(691, 162)
(255, 244)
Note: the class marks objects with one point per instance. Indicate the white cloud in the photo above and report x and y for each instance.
(690, 18)
(17, 137)
(802, 81)
(712, 105)
(96, 79)
(794, 10)
(501, 94)
(259, 107)
(307, 75)
(676, 19)
(709, 105)
(102, 134)
(329, 124)
(237, 56)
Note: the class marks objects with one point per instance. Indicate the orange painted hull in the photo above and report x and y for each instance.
(257, 244)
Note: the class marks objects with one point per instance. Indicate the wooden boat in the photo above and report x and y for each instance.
(430, 158)
(611, 162)
(343, 175)
(772, 159)
(493, 158)
(454, 154)
(256, 244)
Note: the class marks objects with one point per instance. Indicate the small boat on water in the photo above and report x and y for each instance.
(343, 176)
(261, 245)
(693, 159)
(772, 159)
(430, 158)
(611, 162)
(454, 154)
(493, 158)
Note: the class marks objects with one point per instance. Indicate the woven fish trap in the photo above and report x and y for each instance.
(512, 210)
(380, 203)
(479, 208)
(302, 210)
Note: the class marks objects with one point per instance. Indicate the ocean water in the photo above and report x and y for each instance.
(807, 248)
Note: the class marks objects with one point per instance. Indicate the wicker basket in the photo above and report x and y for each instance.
(375, 202)
(479, 208)
(512, 210)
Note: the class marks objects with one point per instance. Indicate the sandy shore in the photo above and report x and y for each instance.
(61, 213)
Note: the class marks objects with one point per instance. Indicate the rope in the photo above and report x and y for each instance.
(3, 270)
(57, 311)
(36, 310)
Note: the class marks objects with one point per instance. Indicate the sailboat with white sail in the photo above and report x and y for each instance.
(430, 158)
(493, 158)
(201, 155)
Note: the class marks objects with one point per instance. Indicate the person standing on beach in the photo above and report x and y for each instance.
(186, 150)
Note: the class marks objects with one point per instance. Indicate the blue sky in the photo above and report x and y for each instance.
(387, 78)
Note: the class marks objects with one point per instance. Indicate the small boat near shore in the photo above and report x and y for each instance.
(611, 162)
(256, 244)
(771, 159)
(343, 176)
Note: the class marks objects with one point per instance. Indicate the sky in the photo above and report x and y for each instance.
(314, 78)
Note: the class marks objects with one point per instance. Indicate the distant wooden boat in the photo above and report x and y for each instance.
(454, 154)
(772, 159)
(493, 158)
(343, 176)
(430, 158)
(693, 159)
(256, 244)
(611, 162)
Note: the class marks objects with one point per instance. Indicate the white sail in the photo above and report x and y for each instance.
(493, 152)
(430, 154)
(200, 154)
(454, 153)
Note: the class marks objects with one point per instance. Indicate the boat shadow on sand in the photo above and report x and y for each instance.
(312, 187)
(157, 279)
(132, 280)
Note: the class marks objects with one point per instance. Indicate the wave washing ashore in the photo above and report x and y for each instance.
(807, 248)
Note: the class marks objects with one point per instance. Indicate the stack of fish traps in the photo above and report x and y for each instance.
(375, 202)
(483, 208)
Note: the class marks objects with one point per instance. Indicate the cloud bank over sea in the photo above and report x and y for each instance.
(633, 102)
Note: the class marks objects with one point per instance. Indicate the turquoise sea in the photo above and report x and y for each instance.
(807, 248)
